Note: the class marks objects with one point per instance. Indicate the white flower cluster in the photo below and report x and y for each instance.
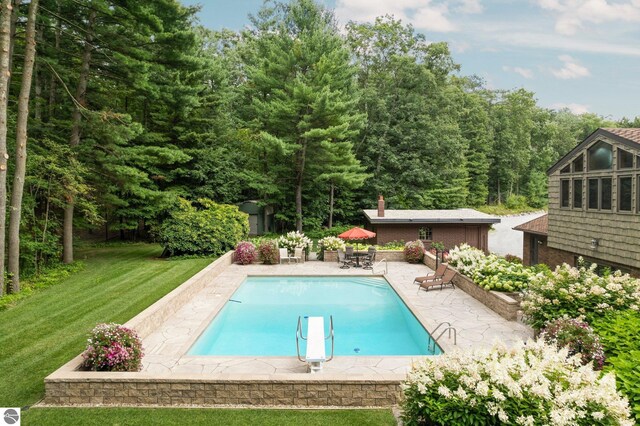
(332, 243)
(490, 272)
(294, 239)
(577, 291)
(531, 383)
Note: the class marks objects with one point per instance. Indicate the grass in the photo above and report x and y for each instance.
(187, 416)
(46, 330)
(503, 210)
(42, 332)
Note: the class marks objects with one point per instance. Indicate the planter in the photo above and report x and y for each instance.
(506, 305)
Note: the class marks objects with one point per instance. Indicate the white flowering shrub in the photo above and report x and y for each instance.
(332, 243)
(532, 383)
(293, 240)
(575, 292)
(490, 272)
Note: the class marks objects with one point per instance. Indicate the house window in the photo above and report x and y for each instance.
(564, 192)
(566, 169)
(425, 233)
(578, 164)
(600, 156)
(625, 159)
(599, 194)
(577, 193)
(624, 193)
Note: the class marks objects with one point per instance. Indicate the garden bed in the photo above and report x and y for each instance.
(506, 305)
(389, 255)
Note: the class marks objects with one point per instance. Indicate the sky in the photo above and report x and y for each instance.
(578, 54)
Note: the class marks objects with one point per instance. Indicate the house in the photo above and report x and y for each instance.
(594, 205)
(260, 217)
(451, 227)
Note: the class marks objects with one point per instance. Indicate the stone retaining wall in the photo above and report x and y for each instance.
(390, 255)
(147, 321)
(259, 392)
(503, 304)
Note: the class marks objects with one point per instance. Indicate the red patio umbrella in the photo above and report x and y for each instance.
(356, 234)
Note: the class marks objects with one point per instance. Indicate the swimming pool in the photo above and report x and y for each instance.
(260, 318)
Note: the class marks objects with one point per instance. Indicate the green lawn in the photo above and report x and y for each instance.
(44, 331)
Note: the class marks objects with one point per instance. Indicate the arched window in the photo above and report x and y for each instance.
(600, 156)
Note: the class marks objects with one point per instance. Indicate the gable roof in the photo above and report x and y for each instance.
(539, 226)
(627, 136)
(430, 216)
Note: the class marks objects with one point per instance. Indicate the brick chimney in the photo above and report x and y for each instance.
(380, 206)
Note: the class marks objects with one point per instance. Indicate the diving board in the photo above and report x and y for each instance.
(316, 354)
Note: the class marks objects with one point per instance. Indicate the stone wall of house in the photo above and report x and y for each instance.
(504, 304)
(212, 392)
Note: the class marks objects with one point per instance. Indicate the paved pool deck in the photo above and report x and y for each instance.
(166, 347)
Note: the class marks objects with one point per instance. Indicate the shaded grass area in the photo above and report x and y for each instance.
(46, 330)
(185, 416)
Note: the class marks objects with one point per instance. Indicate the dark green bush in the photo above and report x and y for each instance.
(620, 335)
(319, 234)
(208, 229)
(516, 202)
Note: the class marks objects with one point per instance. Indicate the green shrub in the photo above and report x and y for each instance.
(575, 292)
(268, 251)
(212, 229)
(318, 234)
(392, 245)
(532, 383)
(619, 333)
(516, 202)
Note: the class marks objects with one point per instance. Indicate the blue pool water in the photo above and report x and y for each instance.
(261, 318)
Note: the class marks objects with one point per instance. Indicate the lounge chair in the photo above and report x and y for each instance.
(284, 254)
(447, 279)
(342, 258)
(440, 270)
(298, 255)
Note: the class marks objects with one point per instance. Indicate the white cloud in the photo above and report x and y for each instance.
(571, 69)
(572, 15)
(524, 72)
(429, 15)
(573, 107)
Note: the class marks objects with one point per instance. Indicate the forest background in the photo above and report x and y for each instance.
(114, 112)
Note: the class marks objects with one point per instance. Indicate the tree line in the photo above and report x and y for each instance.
(112, 111)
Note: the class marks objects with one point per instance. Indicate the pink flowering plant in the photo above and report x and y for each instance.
(578, 337)
(112, 347)
(414, 251)
(268, 250)
(245, 252)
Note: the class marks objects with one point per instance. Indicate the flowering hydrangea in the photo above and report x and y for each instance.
(578, 337)
(414, 251)
(112, 347)
(533, 383)
(294, 239)
(490, 272)
(573, 292)
(332, 243)
(245, 252)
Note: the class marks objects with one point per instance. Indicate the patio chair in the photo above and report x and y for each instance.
(369, 259)
(342, 258)
(298, 255)
(348, 254)
(447, 279)
(284, 254)
(440, 270)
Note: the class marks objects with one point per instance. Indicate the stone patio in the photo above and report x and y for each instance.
(476, 325)
(170, 377)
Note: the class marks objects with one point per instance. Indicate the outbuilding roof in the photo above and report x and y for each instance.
(539, 226)
(430, 216)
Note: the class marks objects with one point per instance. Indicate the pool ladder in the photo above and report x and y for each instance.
(448, 328)
(386, 266)
(300, 335)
